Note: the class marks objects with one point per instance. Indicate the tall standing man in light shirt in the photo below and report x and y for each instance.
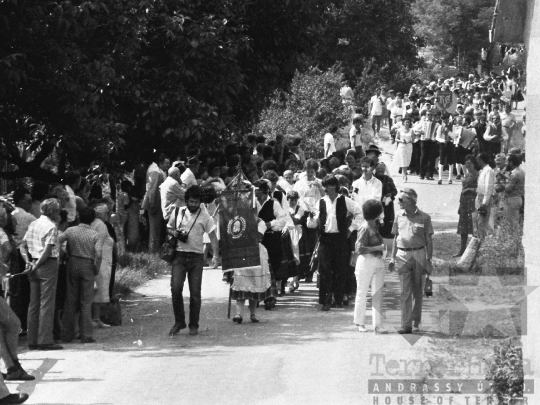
(331, 220)
(72, 182)
(329, 141)
(39, 250)
(484, 193)
(376, 109)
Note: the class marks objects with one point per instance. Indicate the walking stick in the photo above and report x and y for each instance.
(230, 299)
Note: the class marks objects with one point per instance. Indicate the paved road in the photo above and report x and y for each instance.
(296, 354)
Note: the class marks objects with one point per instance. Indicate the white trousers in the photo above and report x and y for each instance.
(369, 271)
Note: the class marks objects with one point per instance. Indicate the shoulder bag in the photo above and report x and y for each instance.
(167, 251)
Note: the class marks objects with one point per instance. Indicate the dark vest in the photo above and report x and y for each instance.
(278, 195)
(267, 211)
(341, 215)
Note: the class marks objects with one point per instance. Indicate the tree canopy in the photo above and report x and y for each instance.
(454, 27)
(116, 80)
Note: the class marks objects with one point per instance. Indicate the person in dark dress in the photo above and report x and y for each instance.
(467, 210)
(270, 211)
(389, 193)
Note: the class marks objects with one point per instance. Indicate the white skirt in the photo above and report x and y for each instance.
(403, 155)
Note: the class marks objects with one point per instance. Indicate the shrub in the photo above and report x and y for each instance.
(312, 104)
(134, 269)
(506, 372)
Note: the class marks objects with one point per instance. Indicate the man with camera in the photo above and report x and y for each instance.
(188, 225)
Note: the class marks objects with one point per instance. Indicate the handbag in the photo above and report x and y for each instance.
(111, 313)
(167, 251)
(428, 287)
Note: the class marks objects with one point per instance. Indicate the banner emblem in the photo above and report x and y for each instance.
(236, 227)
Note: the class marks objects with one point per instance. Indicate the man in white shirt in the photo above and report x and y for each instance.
(172, 193)
(355, 136)
(188, 177)
(367, 187)
(376, 110)
(73, 180)
(484, 192)
(329, 141)
(331, 220)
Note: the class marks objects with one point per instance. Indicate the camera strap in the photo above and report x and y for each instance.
(184, 213)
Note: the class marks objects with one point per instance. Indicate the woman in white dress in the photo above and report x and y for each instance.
(404, 140)
(102, 280)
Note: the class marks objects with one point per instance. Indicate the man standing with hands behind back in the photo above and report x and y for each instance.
(411, 254)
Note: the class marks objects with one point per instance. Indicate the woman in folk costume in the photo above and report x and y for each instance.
(102, 280)
(275, 219)
(253, 284)
(310, 191)
(288, 267)
(298, 214)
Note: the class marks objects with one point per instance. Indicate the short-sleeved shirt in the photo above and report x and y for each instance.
(376, 106)
(412, 231)
(329, 139)
(82, 241)
(185, 219)
(40, 233)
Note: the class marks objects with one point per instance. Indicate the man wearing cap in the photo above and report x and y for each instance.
(155, 175)
(332, 220)
(411, 256)
(172, 193)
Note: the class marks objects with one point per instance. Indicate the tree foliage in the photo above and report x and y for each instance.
(449, 27)
(116, 80)
(307, 110)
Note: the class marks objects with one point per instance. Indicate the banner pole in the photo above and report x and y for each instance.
(230, 300)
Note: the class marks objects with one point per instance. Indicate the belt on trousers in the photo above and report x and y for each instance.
(410, 249)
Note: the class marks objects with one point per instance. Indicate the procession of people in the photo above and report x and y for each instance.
(333, 217)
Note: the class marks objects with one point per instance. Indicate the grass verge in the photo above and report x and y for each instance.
(135, 269)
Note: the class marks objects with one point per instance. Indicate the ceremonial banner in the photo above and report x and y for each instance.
(238, 230)
(445, 101)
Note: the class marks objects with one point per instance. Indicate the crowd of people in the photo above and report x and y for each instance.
(334, 216)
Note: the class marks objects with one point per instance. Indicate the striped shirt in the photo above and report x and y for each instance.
(40, 233)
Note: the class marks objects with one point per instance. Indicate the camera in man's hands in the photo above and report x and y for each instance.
(182, 236)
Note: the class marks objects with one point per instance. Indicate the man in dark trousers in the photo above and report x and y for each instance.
(333, 245)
